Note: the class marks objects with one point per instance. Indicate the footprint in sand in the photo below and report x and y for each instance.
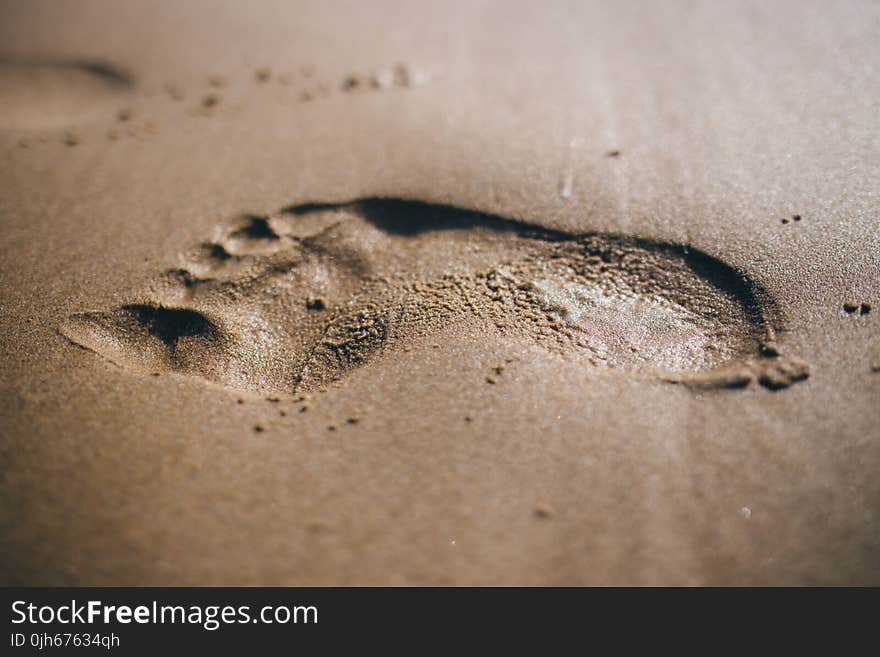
(295, 300)
(45, 94)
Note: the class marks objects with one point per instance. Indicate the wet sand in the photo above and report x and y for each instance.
(461, 294)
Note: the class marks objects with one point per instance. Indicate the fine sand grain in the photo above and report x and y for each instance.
(439, 293)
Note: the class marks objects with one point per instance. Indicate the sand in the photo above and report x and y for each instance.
(447, 293)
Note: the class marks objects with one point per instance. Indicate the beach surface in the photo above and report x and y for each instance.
(401, 293)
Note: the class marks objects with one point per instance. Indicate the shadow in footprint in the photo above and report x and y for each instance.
(172, 324)
(297, 299)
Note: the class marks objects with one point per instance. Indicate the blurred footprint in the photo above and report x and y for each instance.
(45, 94)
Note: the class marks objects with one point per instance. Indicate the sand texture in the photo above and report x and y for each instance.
(325, 293)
